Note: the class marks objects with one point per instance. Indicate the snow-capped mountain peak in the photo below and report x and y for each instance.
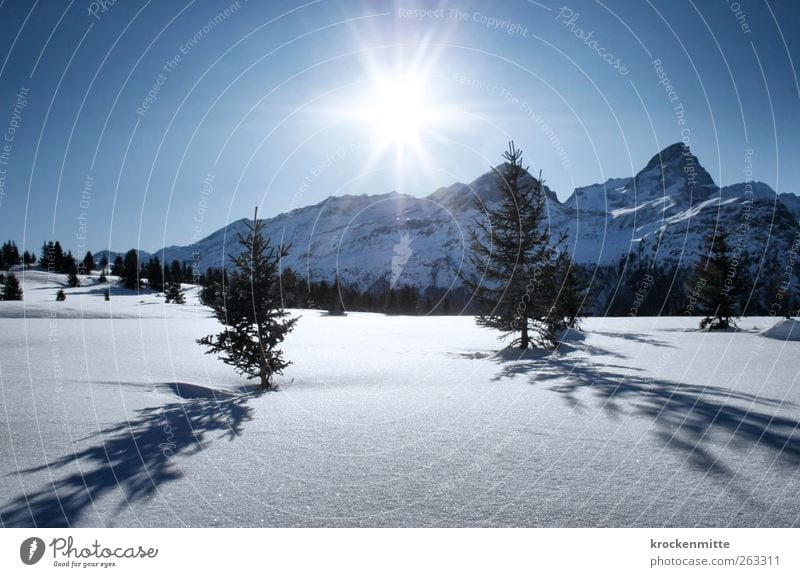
(670, 205)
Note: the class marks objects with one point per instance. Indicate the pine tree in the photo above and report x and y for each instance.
(58, 257)
(28, 259)
(60, 296)
(88, 263)
(118, 268)
(155, 274)
(174, 294)
(255, 321)
(568, 288)
(213, 285)
(175, 271)
(12, 291)
(73, 281)
(721, 286)
(512, 254)
(290, 289)
(47, 258)
(334, 303)
(104, 265)
(130, 270)
(68, 264)
(11, 253)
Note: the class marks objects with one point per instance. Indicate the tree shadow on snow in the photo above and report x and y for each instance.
(637, 337)
(135, 456)
(690, 419)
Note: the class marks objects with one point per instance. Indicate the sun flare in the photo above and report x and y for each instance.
(399, 112)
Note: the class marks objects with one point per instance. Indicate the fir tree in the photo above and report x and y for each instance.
(718, 275)
(568, 287)
(47, 258)
(58, 257)
(155, 274)
(511, 251)
(88, 263)
(175, 273)
(290, 289)
(10, 254)
(60, 296)
(104, 265)
(28, 259)
(334, 303)
(255, 321)
(68, 264)
(12, 291)
(213, 286)
(73, 281)
(174, 293)
(118, 268)
(130, 271)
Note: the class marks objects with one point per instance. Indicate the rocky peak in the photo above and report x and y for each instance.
(675, 170)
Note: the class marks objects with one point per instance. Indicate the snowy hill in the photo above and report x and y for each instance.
(668, 208)
(88, 301)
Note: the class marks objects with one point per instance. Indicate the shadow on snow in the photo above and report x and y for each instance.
(135, 456)
(691, 419)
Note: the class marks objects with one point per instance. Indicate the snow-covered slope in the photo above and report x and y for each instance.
(670, 206)
(88, 301)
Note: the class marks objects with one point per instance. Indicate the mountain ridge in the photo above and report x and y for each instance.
(667, 207)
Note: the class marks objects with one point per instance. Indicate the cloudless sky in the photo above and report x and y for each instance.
(264, 106)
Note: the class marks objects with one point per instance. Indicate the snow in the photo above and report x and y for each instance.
(112, 415)
(785, 330)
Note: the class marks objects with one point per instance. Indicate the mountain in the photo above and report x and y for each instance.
(665, 211)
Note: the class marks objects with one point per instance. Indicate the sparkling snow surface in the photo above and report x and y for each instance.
(111, 415)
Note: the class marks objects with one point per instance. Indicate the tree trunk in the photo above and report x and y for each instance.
(524, 341)
(264, 375)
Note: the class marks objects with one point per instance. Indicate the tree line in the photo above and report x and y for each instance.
(641, 285)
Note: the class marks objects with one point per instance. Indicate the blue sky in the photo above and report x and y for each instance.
(113, 142)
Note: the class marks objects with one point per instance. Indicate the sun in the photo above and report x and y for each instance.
(399, 111)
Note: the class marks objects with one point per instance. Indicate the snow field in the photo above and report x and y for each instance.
(390, 421)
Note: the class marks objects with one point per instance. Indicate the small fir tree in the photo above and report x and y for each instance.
(12, 291)
(174, 293)
(28, 259)
(251, 310)
(722, 288)
(512, 253)
(334, 305)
